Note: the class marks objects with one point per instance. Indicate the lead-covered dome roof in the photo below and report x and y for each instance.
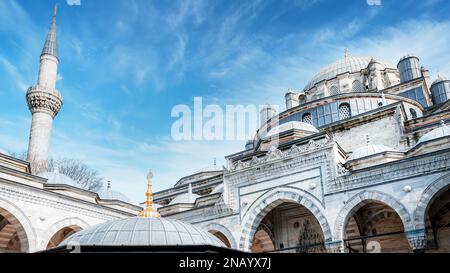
(139, 231)
(351, 64)
(57, 178)
(441, 131)
(291, 125)
(370, 149)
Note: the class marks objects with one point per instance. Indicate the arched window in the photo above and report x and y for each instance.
(413, 113)
(357, 87)
(307, 118)
(344, 111)
(334, 90)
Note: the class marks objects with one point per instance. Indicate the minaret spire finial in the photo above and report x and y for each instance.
(55, 10)
(149, 212)
(346, 54)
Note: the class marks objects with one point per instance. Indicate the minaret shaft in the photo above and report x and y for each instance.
(44, 102)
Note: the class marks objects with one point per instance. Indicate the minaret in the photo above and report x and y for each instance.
(44, 102)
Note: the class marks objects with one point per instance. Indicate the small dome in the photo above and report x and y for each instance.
(109, 194)
(298, 125)
(212, 168)
(185, 198)
(439, 79)
(407, 56)
(370, 149)
(218, 189)
(140, 231)
(442, 131)
(56, 178)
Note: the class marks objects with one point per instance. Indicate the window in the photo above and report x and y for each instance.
(357, 87)
(307, 118)
(334, 90)
(344, 111)
(413, 113)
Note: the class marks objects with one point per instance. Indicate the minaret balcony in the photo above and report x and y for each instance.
(43, 99)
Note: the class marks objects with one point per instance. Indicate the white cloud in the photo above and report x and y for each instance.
(73, 2)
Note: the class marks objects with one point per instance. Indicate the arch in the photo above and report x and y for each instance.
(271, 199)
(357, 86)
(21, 223)
(361, 199)
(428, 196)
(307, 118)
(345, 111)
(334, 90)
(413, 113)
(222, 229)
(56, 227)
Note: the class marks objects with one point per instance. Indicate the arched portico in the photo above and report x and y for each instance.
(388, 208)
(428, 196)
(74, 224)
(214, 227)
(20, 225)
(270, 200)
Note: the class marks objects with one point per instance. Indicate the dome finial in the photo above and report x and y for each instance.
(149, 212)
(108, 186)
(55, 10)
(346, 54)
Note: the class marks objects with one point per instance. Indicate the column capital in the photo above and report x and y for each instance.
(417, 239)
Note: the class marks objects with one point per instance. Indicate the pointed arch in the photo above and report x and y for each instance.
(222, 229)
(362, 198)
(271, 199)
(68, 222)
(21, 223)
(427, 198)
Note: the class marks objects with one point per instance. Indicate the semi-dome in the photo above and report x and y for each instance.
(298, 125)
(442, 131)
(185, 198)
(141, 231)
(351, 64)
(370, 149)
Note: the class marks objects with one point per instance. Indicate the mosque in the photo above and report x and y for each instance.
(359, 161)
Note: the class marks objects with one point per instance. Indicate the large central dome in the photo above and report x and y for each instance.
(350, 64)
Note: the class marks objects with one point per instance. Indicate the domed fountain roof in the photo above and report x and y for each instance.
(148, 229)
(140, 231)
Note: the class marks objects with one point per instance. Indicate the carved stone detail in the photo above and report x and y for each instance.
(43, 99)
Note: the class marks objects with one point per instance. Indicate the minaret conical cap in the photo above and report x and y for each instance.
(51, 42)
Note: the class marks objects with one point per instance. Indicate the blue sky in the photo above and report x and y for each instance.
(125, 64)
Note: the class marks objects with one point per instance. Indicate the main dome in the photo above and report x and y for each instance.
(350, 64)
(139, 231)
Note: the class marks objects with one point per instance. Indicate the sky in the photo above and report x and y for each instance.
(124, 65)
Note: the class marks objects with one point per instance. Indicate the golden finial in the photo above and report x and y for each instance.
(345, 54)
(55, 10)
(149, 212)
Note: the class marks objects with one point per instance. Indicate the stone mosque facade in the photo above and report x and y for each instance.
(358, 162)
